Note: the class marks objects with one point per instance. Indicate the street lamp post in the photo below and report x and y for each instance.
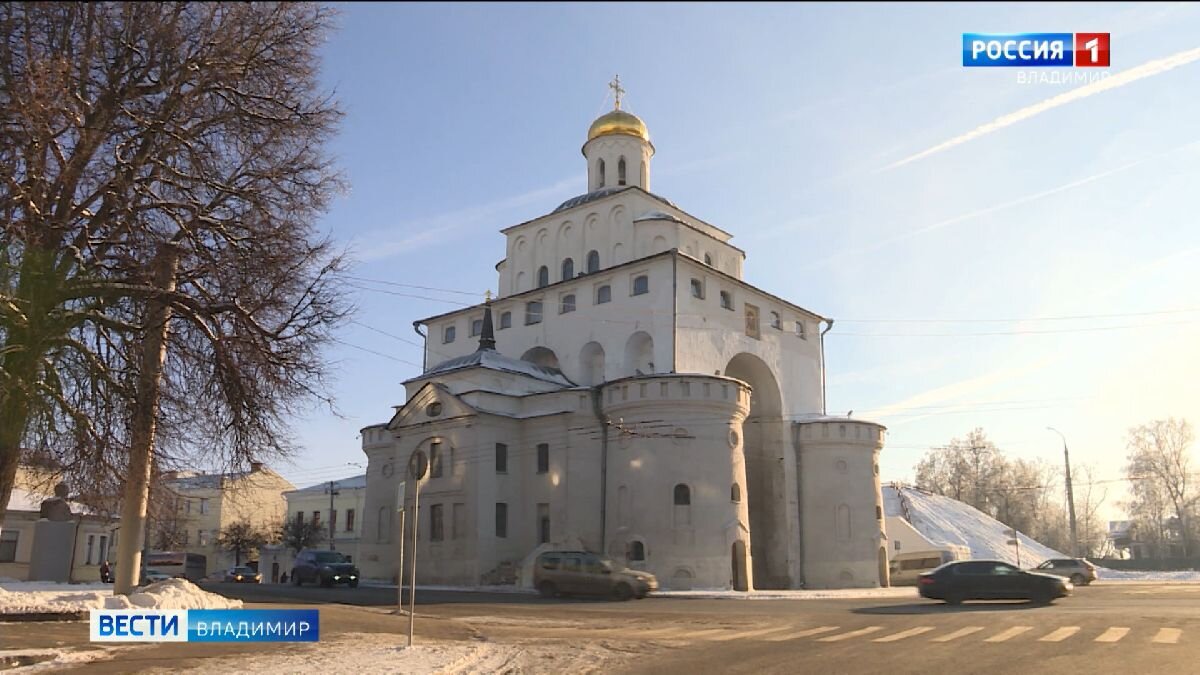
(1070, 493)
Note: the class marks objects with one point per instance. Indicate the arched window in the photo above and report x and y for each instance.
(641, 285)
(567, 304)
(543, 276)
(735, 493)
(776, 321)
(637, 550)
(568, 269)
(621, 171)
(708, 260)
(683, 495)
(600, 173)
(593, 261)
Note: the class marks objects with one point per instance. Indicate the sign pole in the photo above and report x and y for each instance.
(412, 581)
(400, 565)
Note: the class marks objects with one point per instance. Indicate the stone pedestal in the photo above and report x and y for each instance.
(53, 543)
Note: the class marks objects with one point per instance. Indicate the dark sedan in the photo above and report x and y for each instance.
(962, 580)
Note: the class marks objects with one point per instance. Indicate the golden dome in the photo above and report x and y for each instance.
(618, 122)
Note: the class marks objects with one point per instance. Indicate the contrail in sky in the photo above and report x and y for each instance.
(1148, 69)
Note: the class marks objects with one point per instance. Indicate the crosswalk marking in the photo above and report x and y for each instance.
(1113, 634)
(750, 633)
(802, 634)
(1060, 634)
(904, 634)
(852, 634)
(961, 632)
(1009, 634)
(1167, 636)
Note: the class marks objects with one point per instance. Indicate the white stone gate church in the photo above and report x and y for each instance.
(628, 392)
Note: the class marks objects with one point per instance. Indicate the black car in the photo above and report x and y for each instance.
(324, 567)
(962, 580)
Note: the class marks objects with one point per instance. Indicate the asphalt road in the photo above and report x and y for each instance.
(1104, 628)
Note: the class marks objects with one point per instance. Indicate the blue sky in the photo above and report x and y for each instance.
(782, 124)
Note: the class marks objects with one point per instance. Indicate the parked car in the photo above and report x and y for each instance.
(1078, 570)
(242, 575)
(558, 573)
(905, 568)
(962, 580)
(324, 567)
(150, 576)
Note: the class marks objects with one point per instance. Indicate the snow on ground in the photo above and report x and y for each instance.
(37, 597)
(376, 653)
(1105, 574)
(943, 520)
(828, 594)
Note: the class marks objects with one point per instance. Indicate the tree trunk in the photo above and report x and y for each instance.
(141, 447)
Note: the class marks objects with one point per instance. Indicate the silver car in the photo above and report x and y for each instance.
(1078, 570)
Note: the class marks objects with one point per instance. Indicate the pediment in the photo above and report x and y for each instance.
(431, 398)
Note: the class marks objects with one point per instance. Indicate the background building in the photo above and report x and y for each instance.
(312, 504)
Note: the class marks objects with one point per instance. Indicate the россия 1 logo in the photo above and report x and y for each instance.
(1063, 50)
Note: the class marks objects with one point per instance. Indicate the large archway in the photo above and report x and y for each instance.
(639, 354)
(591, 364)
(766, 494)
(541, 356)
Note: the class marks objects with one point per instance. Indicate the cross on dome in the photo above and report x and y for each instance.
(615, 85)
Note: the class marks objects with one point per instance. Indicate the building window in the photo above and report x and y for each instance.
(185, 537)
(543, 513)
(776, 321)
(383, 527)
(600, 172)
(683, 505)
(349, 520)
(458, 523)
(683, 495)
(708, 260)
(641, 285)
(697, 289)
(202, 537)
(621, 171)
(203, 506)
(800, 332)
(505, 320)
(593, 261)
(878, 513)
(476, 327)
(501, 520)
(316, 519)
(187, 506)
(435, 523)
(91, 543)
(448, 334)
(637, 551)
(435, 460)
(603, 294)
(8, 545)
(726, 300)
(533, 313)
(568, 269)
(752, 322)
(567, 304)
(299, 517)
(735, 493)
(543, 276)
(501, 458)
(543, 458)
(433, 409)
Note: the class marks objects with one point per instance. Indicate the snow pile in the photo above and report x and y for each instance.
(944, 521)
(41, 597)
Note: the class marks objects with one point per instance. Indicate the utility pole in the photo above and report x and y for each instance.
(1070, 493)
(332, 525)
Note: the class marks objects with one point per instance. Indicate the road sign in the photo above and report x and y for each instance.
(1014, 542)
(400, 497)
(418, 465)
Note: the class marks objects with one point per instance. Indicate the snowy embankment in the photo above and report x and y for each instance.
(947, 521)
(33, 597)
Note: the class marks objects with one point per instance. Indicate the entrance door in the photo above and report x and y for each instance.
(274, 572)
(738, 570)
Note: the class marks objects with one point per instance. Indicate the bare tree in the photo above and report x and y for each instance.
(1160, 469)
(241, 539)
(161, 281)
(297, 534)
(1089, 497)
